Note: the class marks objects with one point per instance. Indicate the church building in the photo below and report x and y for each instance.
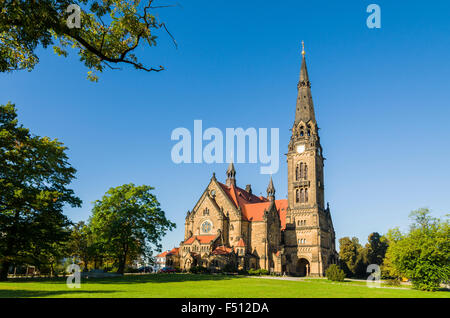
(231, 225)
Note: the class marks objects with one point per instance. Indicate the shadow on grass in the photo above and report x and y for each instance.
(21, 293)
(135, 279)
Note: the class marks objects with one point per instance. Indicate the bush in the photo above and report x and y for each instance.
(131, 270)
(258, 272)
(392, 282)
(229, 268)
(335, 273)
(198, 270)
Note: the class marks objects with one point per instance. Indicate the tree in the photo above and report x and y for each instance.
(335, 273)
(352, 256)
(128, 221)
(423, 253)
(376, 248)
(109, 32)
(80, 243)
(34, 178)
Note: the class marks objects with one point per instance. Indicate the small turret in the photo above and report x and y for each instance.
(271, 190)
(231, 175)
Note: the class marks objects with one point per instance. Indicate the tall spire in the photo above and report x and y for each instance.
(231, 175)
(271, 190)
(305, 107)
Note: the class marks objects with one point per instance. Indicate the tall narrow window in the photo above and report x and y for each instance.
(297, 195)
(305, 171)
(306, 195)
(302, 195)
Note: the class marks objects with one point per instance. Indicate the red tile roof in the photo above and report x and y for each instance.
(240, 196)
(255, 211)
(174, 251)
(163, 254)
(282, 211)
(222, 250)
(203, 239)
(253, 207)
(241, 243)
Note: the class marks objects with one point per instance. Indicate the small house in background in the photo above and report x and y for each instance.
(168, 259)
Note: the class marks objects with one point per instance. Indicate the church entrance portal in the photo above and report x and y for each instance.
(303, 268)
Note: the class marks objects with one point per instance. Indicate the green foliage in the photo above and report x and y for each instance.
(392, 282)
(242, 272)
(81, 243)
(335, 273)
(376, 248)
(353, 257)
(258, 272)
(128, 221)
(34, 179)
(130, 269)
(229, 268)
(109, 32)
(423, 253)
(198, 270)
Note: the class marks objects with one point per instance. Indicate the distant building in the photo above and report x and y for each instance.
(161, 260)
(168, 259)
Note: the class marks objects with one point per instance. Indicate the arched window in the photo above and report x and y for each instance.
(297, 195)
(297, 172)
(302, 195)
(305, 171)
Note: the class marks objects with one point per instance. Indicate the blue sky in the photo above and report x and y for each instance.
(381, 98)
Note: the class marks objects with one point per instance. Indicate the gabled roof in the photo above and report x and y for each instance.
(163, 254)
(255, 211)
(253, 207)
(203, 239)
(222, 250)
(240, 197)
(241, 243)
(173, 251)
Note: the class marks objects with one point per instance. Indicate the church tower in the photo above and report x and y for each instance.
(309, 238)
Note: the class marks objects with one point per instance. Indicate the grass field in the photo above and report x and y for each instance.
(211, 286)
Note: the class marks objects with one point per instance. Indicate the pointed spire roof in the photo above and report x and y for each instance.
(271, 190)
(231, 168)
(305, 106)
(231, 174)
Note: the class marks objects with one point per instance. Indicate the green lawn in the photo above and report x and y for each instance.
(191, 286)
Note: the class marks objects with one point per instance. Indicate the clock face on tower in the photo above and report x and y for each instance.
(300, 148)
(206, 227)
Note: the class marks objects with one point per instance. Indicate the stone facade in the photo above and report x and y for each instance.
(230, 225)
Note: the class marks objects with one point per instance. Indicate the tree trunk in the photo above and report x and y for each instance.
(122, 263)
(4, 267)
